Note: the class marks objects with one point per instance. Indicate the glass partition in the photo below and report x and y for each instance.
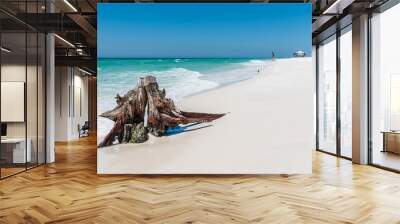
(22, 77)
(346, 92)
(327, 95)
(385, 89)
(14, 155)
(31, 98)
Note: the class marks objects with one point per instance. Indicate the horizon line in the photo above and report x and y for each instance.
(306, 56)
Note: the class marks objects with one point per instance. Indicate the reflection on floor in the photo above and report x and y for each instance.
(11, 169)
(387, 159)
(70, 191)
(346, 152)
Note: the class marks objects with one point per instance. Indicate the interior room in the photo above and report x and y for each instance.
(48, 150)
(27, 59)
(71, 103)
(22, 99)
(385, 89)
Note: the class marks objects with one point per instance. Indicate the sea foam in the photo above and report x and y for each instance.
(181, 82)
(178, 82)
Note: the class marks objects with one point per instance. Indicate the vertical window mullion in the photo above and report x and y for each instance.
(37, 90)
(317, 95)
(369, 94)
(338, 91)
(26, 86)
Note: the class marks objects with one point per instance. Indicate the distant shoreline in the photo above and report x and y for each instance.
(172, 58)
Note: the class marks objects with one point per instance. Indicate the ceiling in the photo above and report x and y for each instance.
(74, 22)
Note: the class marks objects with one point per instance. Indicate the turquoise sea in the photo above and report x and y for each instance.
(179, 77)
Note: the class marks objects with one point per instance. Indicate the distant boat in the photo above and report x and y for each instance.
(299, 54)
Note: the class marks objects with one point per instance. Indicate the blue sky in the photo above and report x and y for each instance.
(202, 30)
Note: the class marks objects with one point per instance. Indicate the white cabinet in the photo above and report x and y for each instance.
(17, 146)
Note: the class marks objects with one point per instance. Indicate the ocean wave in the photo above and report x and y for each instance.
(238, 72)
(181, 82)
(256, 62)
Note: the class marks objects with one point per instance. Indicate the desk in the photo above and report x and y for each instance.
(391, 141)
(13, 150)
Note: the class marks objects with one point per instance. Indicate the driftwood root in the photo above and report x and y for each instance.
(145, 109)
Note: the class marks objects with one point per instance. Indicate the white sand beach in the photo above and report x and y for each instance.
(268, 130)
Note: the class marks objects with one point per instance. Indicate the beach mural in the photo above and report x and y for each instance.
(204, 88)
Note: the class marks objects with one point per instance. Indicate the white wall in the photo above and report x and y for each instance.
(70, 83)
(12, 73)
(17, 73)
(13, 101)
(60, 103)
(79, 110)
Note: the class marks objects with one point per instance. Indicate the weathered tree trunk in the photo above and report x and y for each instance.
(147, 101)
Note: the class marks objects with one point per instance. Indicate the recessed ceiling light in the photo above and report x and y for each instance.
(337, 7)
(70, 5)
(64, 40)
(84, 71)
(5, 50)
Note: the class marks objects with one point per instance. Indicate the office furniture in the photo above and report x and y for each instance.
(391, 141)
(13, 150)
(84, 130)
